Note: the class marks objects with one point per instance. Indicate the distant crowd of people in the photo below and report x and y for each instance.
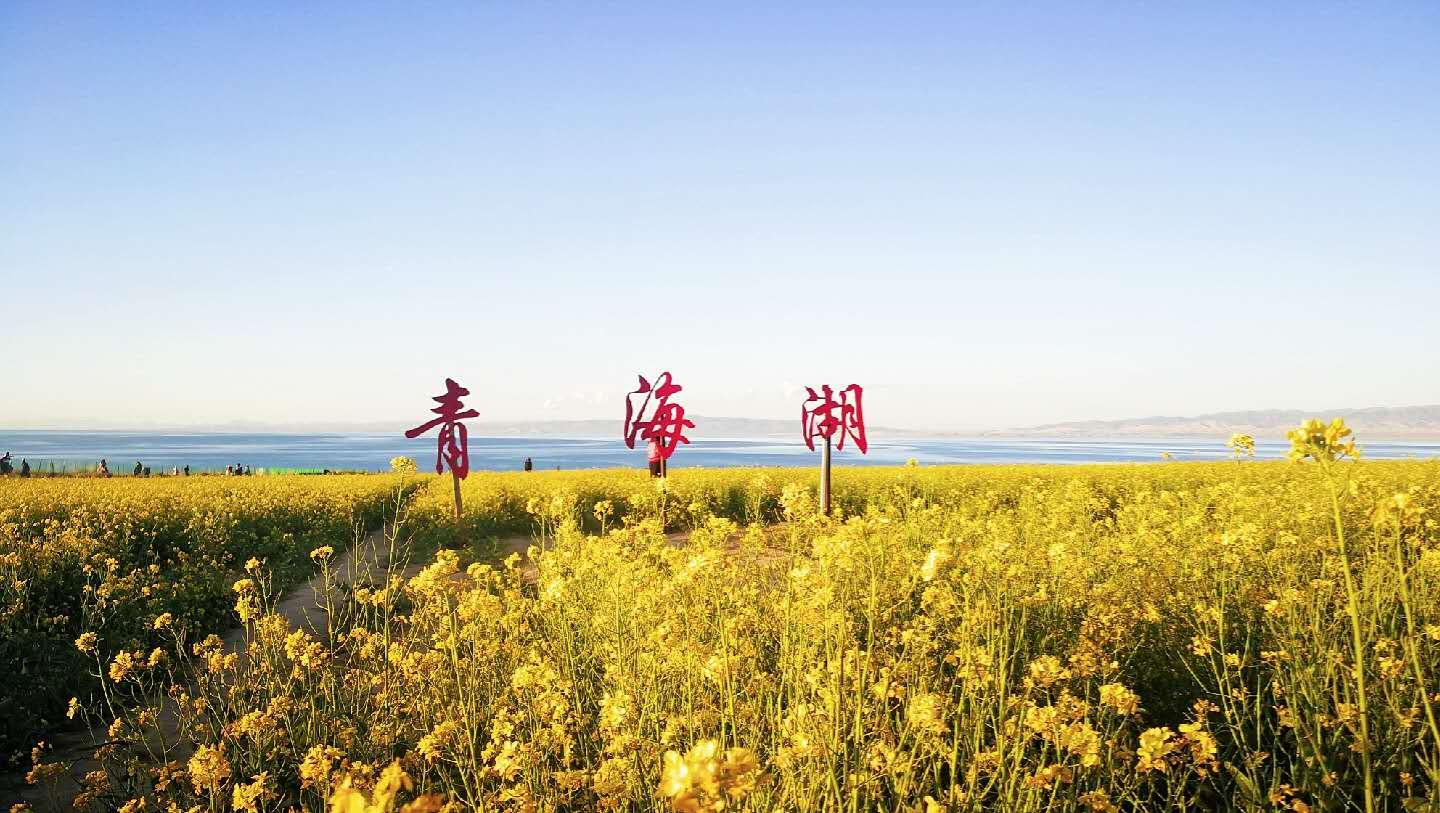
(102, 469)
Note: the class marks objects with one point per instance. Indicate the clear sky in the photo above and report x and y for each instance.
(988, 215)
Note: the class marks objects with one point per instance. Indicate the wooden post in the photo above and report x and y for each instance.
(825, 479)
(455, 478)
(665, 495)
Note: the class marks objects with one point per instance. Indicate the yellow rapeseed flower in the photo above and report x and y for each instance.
(122, 666)
(705, 780)
(86, 642)
(208, 768)
(1155, 746)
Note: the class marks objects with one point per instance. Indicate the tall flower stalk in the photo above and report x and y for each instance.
(1327, 445)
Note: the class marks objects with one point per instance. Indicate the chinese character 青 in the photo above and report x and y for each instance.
(453, 441)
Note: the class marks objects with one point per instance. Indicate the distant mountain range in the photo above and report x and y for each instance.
(596, 428)
(1375, 423)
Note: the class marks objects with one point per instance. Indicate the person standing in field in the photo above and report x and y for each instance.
(5, 467)
(138, 468)
(102, 470)
(24, 468)
(187, 469)
(655, 451)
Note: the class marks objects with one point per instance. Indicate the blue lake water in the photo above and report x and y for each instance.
(214, 451)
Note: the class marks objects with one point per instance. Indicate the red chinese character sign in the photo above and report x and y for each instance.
(823, 416)
(452, 443)
(651, 416)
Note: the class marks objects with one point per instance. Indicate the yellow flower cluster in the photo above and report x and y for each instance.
(705, 779)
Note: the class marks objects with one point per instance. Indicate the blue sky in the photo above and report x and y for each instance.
(989, 216)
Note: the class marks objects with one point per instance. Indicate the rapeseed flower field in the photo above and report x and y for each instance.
(1220, 636)
(102, 560)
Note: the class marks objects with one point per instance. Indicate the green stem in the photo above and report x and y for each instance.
(1357, 641)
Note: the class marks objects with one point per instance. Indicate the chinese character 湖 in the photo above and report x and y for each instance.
(822, 416)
